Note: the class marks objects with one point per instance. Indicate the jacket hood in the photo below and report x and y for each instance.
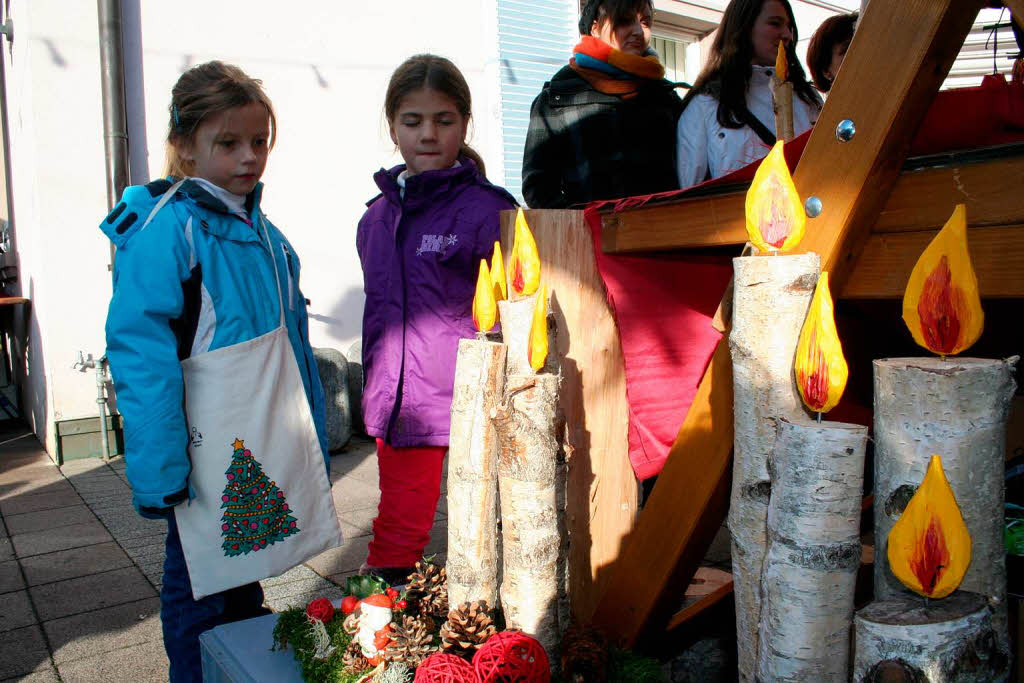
(138, 201)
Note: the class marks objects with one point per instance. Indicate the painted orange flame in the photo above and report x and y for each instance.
(941, 305)
(821, 370)
(775, 216)
(930, 547)
(524, 264)
(781, 63)
(537, 342)
(485, 308)
(498, 274)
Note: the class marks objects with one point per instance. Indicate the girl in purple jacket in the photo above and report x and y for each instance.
(420, 243)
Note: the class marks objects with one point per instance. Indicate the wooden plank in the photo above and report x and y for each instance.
(688, 502)
(883, 269)
(1016, 8)
(708, 588)
(601, 492)
(680, 519)
(921, 199)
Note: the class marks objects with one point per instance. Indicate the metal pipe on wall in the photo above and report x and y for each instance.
(115, 126)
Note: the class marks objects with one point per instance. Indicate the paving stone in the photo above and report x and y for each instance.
(105, 485)
(300, 593)
(147, 553)
(6, 550)
(133, 527)
(74, 596)
(345, 558)
(23, 651)
(144, 663)
(61, 538)
(81, 466)
(144, 540)
(36, 488)
(105, 630)
(49, 519)
(33, 502)
(70, 564)
(45, 676)
(27, 475)
(298, 573)
(355, 497)
(10, 577)
(3, 529)
(16, 611)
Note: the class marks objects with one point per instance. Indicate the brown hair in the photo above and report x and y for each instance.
(726, 75)
(833, 31)
(203, 90)
(618, 11)
(435, 73)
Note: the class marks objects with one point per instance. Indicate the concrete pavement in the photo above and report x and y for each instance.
(80, 571)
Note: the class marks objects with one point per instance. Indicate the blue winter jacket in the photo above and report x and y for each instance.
(198, 278)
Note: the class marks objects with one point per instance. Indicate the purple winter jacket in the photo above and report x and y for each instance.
(420, 258)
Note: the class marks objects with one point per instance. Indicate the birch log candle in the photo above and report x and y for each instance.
(517, 312)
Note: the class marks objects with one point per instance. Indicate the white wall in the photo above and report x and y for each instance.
(325, 64)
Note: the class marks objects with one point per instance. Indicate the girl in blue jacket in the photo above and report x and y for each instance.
(202, 278)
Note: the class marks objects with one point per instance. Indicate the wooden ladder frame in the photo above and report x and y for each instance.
(899, 57)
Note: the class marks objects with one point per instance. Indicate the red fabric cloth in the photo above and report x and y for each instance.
(664, 303)
(410, 485)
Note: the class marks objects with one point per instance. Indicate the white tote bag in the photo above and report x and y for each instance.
(262, 496)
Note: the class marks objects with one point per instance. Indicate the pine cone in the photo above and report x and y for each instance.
(353, 659)
(351, 624)
(412, 641)
(428, 590)
(584, 655)
(468, 627)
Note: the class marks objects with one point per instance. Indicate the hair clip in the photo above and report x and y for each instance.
(174, 115)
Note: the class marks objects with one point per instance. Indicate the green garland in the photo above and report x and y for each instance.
(293, 631)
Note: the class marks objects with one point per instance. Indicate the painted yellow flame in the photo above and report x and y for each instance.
(537, 343)
(498, 274)
(524, 264)
(930, 547)
(781, 63)
(941, 305)
(820, 367)
(775, 216)
(485, 308)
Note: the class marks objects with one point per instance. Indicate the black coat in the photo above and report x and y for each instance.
(584, 145)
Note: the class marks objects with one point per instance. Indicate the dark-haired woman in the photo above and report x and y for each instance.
(728, 120)
(828, 47)
(604, 126)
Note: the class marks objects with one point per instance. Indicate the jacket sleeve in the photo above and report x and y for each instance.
(692, 144)
(142, 350)
(543, 156)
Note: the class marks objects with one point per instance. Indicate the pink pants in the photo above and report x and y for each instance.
(410, 484)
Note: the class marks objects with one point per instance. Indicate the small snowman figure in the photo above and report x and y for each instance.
(374, 626)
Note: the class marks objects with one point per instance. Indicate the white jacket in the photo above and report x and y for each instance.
(704, 144)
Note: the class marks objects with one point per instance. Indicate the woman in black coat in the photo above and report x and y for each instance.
(604, 127)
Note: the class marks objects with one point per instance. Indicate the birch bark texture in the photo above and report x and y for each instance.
(472, 563)
(516, 318)
(528, 428)
(952, 639)
(810, 569)
(956, 408)
(771, 298)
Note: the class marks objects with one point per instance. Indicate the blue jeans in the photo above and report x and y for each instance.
(184, 618)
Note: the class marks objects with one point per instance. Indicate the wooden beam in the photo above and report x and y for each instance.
(888, 80)
(921, 199)
(679, 521)
(1016, 8)
(883, 269)
(709, 587)
(601, 489)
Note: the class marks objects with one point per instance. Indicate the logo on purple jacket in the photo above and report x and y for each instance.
(436, 244)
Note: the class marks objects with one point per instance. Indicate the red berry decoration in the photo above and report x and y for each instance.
(391, 592)
(349, 604)
(321, 609)
(442, 667)
(510, 657)
(401, 604)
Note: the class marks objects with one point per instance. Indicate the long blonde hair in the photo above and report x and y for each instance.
(203, 90)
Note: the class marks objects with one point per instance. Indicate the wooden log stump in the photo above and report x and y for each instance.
(472, 563)
(772, 294)
(952, 639)
(956, 408)
(528, 430)
(810, 569)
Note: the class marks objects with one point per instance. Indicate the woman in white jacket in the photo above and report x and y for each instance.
(728, 120)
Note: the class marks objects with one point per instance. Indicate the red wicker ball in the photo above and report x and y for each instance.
(442, 667)
(512, 657)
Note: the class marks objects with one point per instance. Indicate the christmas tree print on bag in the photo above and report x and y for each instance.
(256, 513)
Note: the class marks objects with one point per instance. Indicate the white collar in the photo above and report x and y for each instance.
(234, 202)
(404, 176)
